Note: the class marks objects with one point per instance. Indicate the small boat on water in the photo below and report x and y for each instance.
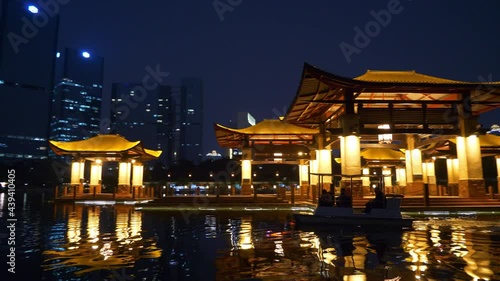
(329, 215)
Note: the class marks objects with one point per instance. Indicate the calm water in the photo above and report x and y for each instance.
(80, 242)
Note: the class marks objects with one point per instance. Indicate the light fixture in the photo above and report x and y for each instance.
(384, 138)
(85, 54)
(33, 9)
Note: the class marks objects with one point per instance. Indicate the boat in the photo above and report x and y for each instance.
(329, 215)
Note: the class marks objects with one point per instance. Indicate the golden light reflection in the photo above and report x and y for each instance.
(245, 236)
(477, 259)
(94, 250)
(122, 233)
(416, 246)
(74, 225)
(93, 224)
(458, 247)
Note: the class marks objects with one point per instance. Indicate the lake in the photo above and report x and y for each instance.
(118, 242)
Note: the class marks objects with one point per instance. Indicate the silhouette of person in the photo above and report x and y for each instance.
(378, 202)
(344, 200)
(326, 198)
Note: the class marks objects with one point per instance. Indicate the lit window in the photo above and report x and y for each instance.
(85, 54)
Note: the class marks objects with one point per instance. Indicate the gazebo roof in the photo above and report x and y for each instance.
(109, 146)
(382, 154)
(269, 130)
(320, 95)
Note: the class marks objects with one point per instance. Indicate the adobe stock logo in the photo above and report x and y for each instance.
(41, 12)
(372, 29)
(222, 7)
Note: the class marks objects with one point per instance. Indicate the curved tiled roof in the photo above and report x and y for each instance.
(105, 145)
(269, 130)
(402, 77)
(273, 127)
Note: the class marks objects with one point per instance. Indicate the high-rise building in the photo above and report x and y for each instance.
(191, 120)
(146, 115)
(76, 102)
(245, 119)
(28, 41)
(167, 118)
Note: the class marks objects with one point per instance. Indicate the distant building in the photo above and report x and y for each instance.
(26, 79)
(191, 120)
(147, 116)
(244, 120)
(76, 103)
(169, 118)
(214, 155)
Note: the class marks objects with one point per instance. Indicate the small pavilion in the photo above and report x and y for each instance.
(267, 142)
(106, 148)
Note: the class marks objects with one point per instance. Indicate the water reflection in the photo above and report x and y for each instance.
(78, 242)
(433, 250)
(88, 249)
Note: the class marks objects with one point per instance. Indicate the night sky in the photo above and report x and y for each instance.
(252, 59)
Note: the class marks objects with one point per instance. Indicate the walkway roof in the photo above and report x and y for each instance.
(320, 95)
(108, 146)
(266, 132)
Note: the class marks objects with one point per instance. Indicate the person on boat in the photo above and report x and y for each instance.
(344, 200)
(326, 198)
(379, 202)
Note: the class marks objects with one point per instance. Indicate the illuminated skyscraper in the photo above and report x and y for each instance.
(191, 120)
(27, 58)
(76, 103)
(146, 115)
(168, 118)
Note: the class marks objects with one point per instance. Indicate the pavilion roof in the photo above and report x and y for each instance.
(382, 154)
(409, 76)
(320, 96)
(104, 146)
(488, 140)
(265, 132)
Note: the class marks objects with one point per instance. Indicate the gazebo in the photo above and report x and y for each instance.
(270, 141)
(106, 148)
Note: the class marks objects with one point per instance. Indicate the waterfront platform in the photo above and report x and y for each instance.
(185, 201)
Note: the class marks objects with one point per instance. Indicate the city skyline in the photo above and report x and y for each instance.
(247, 55)
(245, 60)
